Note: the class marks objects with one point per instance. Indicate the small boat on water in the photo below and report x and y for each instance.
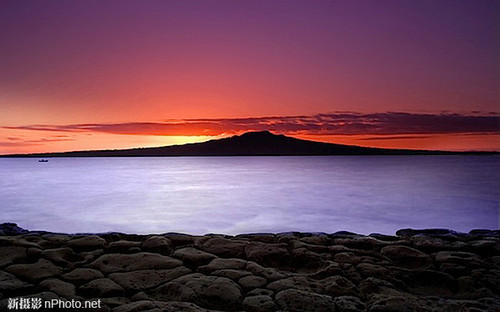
(43, 160)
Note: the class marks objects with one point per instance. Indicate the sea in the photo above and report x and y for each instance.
(235, 195)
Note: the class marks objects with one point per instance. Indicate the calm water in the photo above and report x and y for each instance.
(231, 195)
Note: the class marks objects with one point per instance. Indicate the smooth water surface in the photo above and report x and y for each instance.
(232, 195)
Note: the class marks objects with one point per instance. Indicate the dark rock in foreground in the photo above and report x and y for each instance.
(417, 270)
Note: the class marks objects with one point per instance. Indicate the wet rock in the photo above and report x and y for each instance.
(361, 242)
(385, 238)
(145, 279)
(436, 232)
(273, 255)
(297, 282)
(122, 246)
(382, 303)
(221, 264)
(193, 257)
(11, 284)
(468, 259)
(330, 268)
(294, 300)
(259, 303)
(101, 287)
(429, 282)
(115, 301)
(53, 240)
(486, 247)
(318, 240)
(231, 274)
(158, 244)
(89, 256)
(206, 291)
(159, 306)
(180, 240)
(90, 242)
(372, 285)
(251, 282)
(492, 280)
(260, 291)
(82, 275)
(407, 256)
(259, 237)
(268, 273)
(433, 244)
(60, 256)
(305, 260)
(347, 257)
(373, 270)
(35, 271)
(136, 306)
(470, 288)
(482, 232)
(12, 254)
(339, 286)
(33, 253)
(62, 289)
(111, 263)
(348, 304)
(225, 248)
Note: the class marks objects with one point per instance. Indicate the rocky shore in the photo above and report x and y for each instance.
(416, 270)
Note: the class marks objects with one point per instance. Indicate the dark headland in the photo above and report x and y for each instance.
(262, 143)
(416, 270)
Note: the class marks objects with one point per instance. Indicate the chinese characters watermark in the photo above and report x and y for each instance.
(34, 303)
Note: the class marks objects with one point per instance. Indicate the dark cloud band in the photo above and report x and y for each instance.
(340, 123)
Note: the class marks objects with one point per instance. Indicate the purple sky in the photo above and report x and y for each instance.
(133, 62)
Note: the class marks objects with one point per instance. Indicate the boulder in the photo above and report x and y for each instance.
(260, 303)
(101, 287)
(206, 291)
(122, 246)
(224, 247)
(468, 259)
(272, 255)
(82, 275)
(231, 274)
(11, 284)
(406, 256)
(294, 300)
(347, 257)
(430, 282)
(297, 282)
(221, 264)
(12, 254)
(158, 244)
(62, 289)
(89, 242)
(35, 271)
(339, 286)
(60, 256)
(193, 257)
(348, 304)
(269, 274)
(145, 279)
(252, 282)
(111, 263)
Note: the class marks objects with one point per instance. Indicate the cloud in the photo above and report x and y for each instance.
(338, 123)
(19, 142)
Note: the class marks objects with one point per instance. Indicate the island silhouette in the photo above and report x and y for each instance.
(261, 143)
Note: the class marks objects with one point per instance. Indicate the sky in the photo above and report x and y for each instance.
(85, 75)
